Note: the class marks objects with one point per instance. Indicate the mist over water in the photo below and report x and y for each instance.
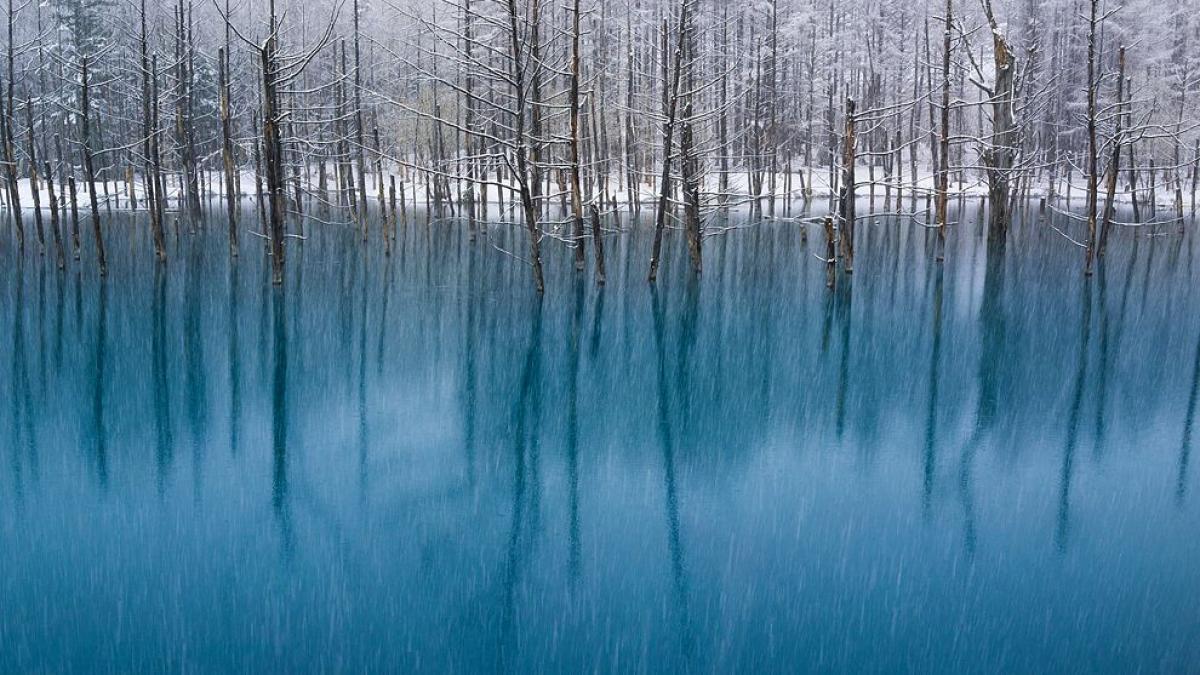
(410, 463)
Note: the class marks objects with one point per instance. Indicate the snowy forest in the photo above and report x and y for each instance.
(565, 116)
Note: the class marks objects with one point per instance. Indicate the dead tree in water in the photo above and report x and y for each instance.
(273, 149)
(830, 253)
(660, 218)
(598, 245)
(846, 206)
(689, 153)
(633, 179)
(1092, 85)
(528, 162)
(184, 123)
(54, 222)
(8, 129)
(511, 125)
(1114, 163)
(723, 118)
(1195, 175)
(1000, 153)
(149, 141)
(89, 171)
(576, 190)
(227, 149)
(33, 180)
(943, 172)
(359, 143)
(475, 146)
(159, 203)
(277, 72)
(10, 165)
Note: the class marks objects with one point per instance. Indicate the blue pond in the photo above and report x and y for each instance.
(409, 463)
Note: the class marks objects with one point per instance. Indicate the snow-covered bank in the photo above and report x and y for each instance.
(116, 194)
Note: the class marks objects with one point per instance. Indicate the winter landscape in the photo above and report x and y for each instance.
(599, 336)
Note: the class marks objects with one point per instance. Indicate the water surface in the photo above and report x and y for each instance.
(409, 463)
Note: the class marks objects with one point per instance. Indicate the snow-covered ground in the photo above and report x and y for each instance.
(414, 190)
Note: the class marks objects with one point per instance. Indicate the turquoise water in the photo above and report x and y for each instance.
(411, 464)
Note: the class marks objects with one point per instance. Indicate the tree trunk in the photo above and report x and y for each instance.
(10, 162)
(183, 120)
(158, 192)
(89, 172)
(576, 190)
(664, 193)
(528, 176)
(54, 222)
(227, 152)
(358, 129)
(273, 150)
(689, 156)
(1000, 154)
(1114, 164)
(1091, 134)
(74, 214)
(598, 245)
(943, 174)
(830, 253)
(33, 180)
(846, 206)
